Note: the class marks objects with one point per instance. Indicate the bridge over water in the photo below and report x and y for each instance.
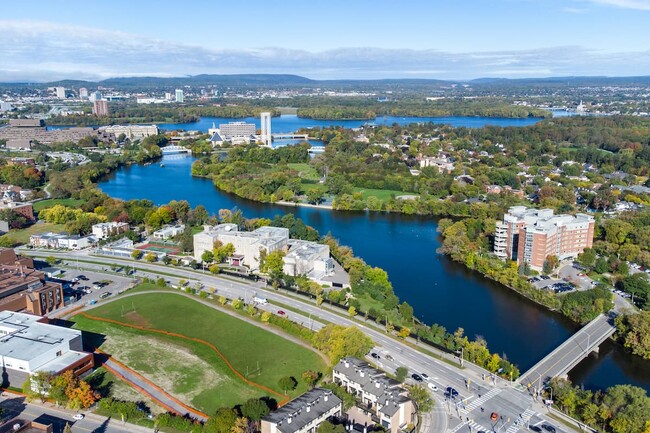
(559, 362)
(171, 150)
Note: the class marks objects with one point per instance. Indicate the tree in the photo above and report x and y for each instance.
(51, 260)
(401, 373)
(310, 377)
(67, 428)
(314, 196)
(207, 256)
(328, 427)
(254, 409)
(550, 264)
(406, 311)
(137, 254)
(214, 269)
(273, 265)
(352, 311)
(338, 342)
(241, 425)
(287, 383)
(587, 258)
(404, 332)
(150, 257)
(266, 316)
(222, 422)
(237, 304)
(421, 397)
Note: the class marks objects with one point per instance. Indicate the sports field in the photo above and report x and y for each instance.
(161, 248)
(212, 360)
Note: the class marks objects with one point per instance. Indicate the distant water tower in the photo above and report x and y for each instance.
(266, 128)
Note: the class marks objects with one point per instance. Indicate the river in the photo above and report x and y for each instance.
(440, 290)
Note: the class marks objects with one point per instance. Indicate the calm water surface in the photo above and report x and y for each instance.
(440, 290)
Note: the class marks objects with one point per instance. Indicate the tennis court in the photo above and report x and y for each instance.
(160, 248)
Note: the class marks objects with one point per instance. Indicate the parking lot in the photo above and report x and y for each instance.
(90, 287)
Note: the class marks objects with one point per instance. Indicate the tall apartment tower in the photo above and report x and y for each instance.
(179, 95)
(531, 235)
(60, 92)
(100, 108)
(83, 93)
(266, 136)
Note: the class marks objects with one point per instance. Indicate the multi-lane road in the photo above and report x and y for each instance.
(479, 397)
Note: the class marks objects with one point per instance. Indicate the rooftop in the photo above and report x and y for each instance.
(303, 409)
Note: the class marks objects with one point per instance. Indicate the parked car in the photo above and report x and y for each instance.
(78, 416)
(374, 355)
(281, 313)
(535, 428)
(105, 295)
(416, 377)
(548, 428)
(432, 387)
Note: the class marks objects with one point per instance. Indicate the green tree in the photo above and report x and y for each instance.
(338, 342)
(401, 373)
(310, 377)
(273, 265)
(421, 397)
(207, 257)
(137, 254)
(51, 260)
(254, 409)
(328, 427)
(222, 422)
(287, 383)
(151, 257)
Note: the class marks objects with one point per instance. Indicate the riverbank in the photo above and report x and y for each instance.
(297, 204)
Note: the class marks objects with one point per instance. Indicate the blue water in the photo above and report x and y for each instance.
(291, 123)
(440, 290)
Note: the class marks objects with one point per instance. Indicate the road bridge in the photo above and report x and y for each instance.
(171, 150)
(559, 362)
(290, 136)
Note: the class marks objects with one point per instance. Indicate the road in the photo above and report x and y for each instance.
(58, 417)
(471, 381)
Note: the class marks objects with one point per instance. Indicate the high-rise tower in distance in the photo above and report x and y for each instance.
(266, 128)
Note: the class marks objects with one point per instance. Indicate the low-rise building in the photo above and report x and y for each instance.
(247, 244)
(106, 230)
(24, 209)
(132, 132)
(382, 400)
(29, 345)
(169, 232)
(303, 414)
(61, 240)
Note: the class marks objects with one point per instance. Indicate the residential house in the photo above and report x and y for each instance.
(169, 232)
(106, 230)
(303, 414)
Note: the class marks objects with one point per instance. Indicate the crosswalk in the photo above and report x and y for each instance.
(474, 427)
(521, 421)
(485, 397)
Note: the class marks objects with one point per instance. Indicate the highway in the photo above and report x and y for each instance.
(515, 406)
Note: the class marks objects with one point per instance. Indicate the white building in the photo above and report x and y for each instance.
(132, 132)
(179, 95)
(247, 244)
(83, 93)
(60, 92)
(106, 230)
(5, 106)
(234, 130)
(61, 240)
(304, 413)
(308, 258)
(169, 232)
(27, 345)
(95, 96)
(265, 131)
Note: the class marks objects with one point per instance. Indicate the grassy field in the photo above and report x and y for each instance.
(110, 385)
(22, 235)
(306, 171)
(194, 372)
(381, 194)
(44, 204)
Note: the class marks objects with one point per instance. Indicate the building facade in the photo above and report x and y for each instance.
(179, 95)
(303, 414)
(231, 130)
(530, 235)
(265, 130)
(132, 132)
(100, 108)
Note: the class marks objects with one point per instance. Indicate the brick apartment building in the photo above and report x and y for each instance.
(531, 235)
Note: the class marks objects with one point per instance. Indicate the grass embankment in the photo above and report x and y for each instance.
(110, 385)
(191, 370)
(45, 204)
(21, 236)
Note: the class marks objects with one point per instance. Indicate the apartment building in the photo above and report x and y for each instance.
(22, 288)
(382, 400)
(304, 413)
(106, 230)
(531, 235)
(132, 132)
(237, 129)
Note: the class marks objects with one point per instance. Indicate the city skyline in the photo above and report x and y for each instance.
(443, 40)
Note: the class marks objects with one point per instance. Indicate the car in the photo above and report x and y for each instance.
(535, 428)
(424, 376)
(105, 295)
(374, 355)
(432, 387)
(83, 277)
(549, 428)
(281, 313)
(416, 377)
(494, 416)
(452, 392)
(78, 416)
(74, 280)
(390, 358)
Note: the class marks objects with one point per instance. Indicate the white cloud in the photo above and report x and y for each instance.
(626, 4)
(44, 51)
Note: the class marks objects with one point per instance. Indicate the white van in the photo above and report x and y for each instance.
(260, 300)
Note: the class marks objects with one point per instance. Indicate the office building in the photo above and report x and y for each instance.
(265, 135)
(29, 345)
(83, 93)
(247, 244)
(179, 95)
(132, 132)
(60, 92)
(232, 130)
(95, 96)
(531, 235)
(304, 413)
(100, 108)
(5, 106)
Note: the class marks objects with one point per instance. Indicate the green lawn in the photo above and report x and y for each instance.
(22, 235)
(243, 344)
(44, 204)
(306, 171)
(381, 194)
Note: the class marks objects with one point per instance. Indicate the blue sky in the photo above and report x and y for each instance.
(448, 39)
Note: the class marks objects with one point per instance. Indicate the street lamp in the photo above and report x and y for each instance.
(462, 352)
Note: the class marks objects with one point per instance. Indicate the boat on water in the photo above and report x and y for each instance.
(162, 165)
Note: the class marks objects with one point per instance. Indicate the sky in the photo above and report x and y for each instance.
(47, 40)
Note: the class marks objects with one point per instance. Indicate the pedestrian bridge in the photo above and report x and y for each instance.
(559, 362)
(170, 150)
